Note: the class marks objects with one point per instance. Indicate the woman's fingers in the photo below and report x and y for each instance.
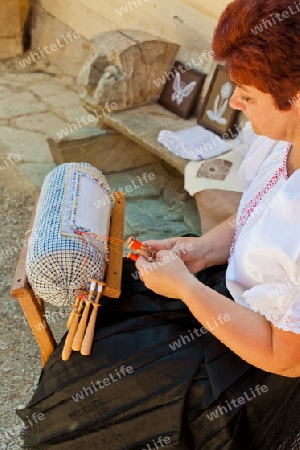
(165, 275)
(164, 244)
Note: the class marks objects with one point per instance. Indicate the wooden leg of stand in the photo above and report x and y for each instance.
(39, 326)
(33, 308)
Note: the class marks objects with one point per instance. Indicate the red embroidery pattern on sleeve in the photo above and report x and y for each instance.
(252, 204)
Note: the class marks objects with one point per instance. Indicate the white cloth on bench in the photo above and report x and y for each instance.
(195, 143)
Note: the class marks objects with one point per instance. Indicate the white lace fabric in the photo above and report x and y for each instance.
(278, 302)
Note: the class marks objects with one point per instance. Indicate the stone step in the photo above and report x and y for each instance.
(107, 150)
(143, 124)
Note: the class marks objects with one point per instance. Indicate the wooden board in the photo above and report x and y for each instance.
(113, 276)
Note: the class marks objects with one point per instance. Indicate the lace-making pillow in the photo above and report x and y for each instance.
(68, 244)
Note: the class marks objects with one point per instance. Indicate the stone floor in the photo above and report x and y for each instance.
(33, 107)
(36, 106)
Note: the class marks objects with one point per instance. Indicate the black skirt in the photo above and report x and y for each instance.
(156, 379)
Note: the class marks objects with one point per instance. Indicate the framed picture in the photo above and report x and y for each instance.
(215, 113)
(182, 89)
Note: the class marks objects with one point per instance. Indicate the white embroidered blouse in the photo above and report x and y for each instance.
(263, 273)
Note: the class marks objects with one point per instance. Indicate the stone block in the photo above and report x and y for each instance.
(15, 182)
(30, 146)
(175, 188)
(5, 92)
(46, 30)
(19, 104)
(151, 219)
(142, 182)
(36, 173)
(78, 113)
(13, 15)
(123, 69)
(107, 150)
(22, 79)
(11, 46)
(62, 100)
(47, 88)
(191, 216)
(46, 123)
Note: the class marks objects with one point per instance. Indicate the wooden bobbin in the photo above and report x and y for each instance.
(77, 341)
(90, 330)
(140, 248)
(67, 350)
(80, 294)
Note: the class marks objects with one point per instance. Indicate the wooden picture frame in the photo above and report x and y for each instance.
(182, 89)
(215, 113)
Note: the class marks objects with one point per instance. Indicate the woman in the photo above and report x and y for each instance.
(227, 377)
(263, 250)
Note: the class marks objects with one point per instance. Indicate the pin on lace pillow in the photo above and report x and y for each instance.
(69, 239)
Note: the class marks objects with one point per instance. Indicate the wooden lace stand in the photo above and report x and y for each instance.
(33, 307)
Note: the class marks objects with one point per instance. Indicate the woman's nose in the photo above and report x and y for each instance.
(235, 103)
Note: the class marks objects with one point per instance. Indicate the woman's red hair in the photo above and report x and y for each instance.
(261, 50)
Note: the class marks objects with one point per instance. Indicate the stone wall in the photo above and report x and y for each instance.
(47, 30)
(188, 23)
(182, 21)
(13, 16)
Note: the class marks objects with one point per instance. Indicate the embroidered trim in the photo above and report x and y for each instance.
(74, 205)
(286, 322)
(252, 204)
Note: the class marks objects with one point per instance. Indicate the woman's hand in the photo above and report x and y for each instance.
(198, 253)
(167, 276)
(191, 250)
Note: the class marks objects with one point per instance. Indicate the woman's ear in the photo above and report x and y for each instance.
(295, 102)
